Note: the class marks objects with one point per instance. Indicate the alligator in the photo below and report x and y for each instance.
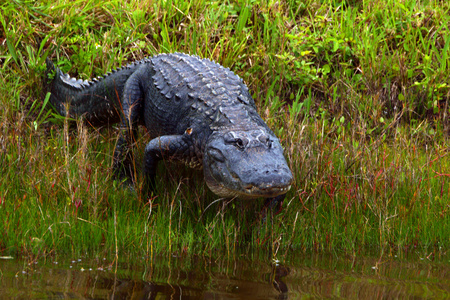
(195, 111)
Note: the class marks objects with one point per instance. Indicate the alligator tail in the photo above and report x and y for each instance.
(52, 84)
(97, 101)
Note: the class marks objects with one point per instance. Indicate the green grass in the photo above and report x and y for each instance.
(357, 91)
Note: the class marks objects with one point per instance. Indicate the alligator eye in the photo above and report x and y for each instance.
(239, 143)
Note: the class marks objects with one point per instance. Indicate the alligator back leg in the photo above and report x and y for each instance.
(132, 110)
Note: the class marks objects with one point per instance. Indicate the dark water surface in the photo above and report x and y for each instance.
(192, 277)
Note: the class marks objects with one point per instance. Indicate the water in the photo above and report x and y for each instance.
(194, 277)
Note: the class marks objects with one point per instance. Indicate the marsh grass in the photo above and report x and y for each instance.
(356, 91)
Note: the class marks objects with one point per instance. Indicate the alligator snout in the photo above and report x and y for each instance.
(268, 181)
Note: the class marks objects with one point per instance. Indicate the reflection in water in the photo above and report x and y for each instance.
(306, 276)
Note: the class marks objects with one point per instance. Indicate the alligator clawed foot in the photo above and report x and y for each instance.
(272, 206)
(124, 183)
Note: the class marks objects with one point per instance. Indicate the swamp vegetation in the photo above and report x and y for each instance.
(357, 92)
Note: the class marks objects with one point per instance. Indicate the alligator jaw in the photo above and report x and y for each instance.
(247, 192)
(257, 192)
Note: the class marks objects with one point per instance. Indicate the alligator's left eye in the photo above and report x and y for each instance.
(239, 143)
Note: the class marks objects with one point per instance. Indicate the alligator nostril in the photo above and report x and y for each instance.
(234, 175)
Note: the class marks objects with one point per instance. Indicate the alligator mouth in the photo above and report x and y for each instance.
(254, 191)
(248, 192)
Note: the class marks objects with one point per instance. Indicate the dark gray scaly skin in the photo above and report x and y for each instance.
(195, 110)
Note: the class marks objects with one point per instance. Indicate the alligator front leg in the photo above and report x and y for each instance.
(176, 147)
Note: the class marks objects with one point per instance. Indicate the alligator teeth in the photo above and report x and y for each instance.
(254, 189)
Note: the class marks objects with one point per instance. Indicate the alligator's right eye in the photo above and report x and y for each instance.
(239, 142)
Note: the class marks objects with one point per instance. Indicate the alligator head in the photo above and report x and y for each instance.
(246, 164)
